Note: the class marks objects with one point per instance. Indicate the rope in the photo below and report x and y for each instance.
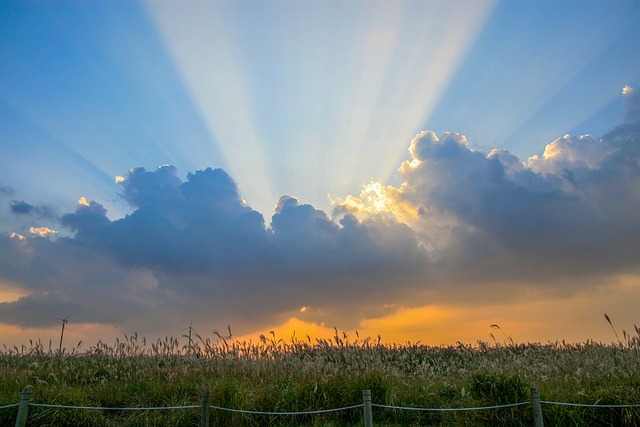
(9, 406)
(321, 411)
(96, 408)
(584, 405)
(478, 408)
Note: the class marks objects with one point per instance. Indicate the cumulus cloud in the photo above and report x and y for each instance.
(460, 219)
(571, 213)
(194, 248)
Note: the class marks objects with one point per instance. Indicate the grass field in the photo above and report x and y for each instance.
(301, 375)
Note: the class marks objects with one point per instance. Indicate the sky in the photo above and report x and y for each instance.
(418, 170)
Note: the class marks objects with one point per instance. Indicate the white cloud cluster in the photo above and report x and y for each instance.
(574, 212)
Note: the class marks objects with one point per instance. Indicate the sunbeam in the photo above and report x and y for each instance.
(538, 74)
(110, 102)
(217, 82)
(339, 88)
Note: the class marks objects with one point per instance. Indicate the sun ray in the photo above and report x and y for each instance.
(198, 40)
(526, 79)
(353, 93)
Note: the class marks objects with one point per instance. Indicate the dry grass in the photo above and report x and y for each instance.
(301, 375)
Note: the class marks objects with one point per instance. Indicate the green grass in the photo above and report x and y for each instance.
(274, 375)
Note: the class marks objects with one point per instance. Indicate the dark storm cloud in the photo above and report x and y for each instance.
(310, 242)
(64, 276)
(195, 247)
(200, 225)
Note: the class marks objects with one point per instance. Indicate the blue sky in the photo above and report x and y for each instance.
(110, 109)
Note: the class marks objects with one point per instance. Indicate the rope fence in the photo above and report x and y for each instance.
(366, 406)
(476, 408)
(319, 411)
(13, 405)
(99, 408)
(587, 405)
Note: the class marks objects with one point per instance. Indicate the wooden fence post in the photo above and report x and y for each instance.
(366, 409)
(204, 409)
(537, 408)
(21, 419)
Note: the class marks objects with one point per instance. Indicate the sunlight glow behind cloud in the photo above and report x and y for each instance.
(352, 90)
(41, 231)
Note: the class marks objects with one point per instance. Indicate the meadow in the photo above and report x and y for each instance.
(293, 375)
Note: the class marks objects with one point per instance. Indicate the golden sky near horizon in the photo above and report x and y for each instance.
(574, 319)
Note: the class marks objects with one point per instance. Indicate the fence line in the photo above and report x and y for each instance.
(99, 408)
(367, 406)
(587, 405)
(154, 408)
(13, 405)
(319, 411)
(477, 408)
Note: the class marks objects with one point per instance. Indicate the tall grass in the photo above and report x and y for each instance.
(300, 375)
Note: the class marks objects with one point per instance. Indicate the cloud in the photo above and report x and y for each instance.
(311, 241)
(65, 277)
(20, 207)
(6, 191)
(194, 249)
(462, 224)
(42, 231)
(572, 213)
(631, 102)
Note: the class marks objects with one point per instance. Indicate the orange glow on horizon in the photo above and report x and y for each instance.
(83, 335)
(576, 318)
(9, 293)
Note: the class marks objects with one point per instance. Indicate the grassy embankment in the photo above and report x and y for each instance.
(273, 375)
